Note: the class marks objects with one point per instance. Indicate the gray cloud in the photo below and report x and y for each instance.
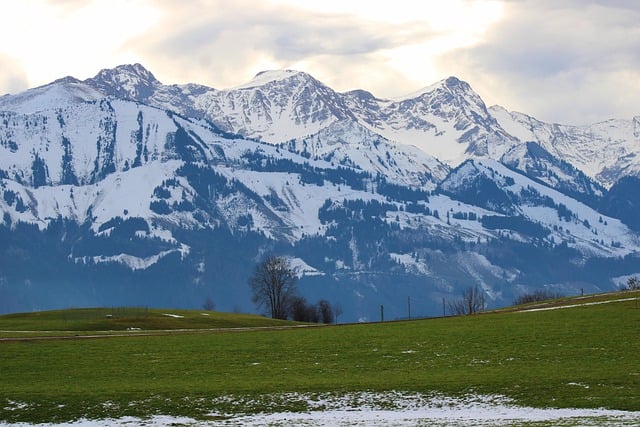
(569, 61)
(283, 34)
(228, 40)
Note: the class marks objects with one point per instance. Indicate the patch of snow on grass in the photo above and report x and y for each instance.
(386, 409)
(15, 406)
(558, 307)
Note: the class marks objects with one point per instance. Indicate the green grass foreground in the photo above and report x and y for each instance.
(583, 357)
(105, 320)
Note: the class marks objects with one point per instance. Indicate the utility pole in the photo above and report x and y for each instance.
(382, 313)
(444, 312)
(409, 304)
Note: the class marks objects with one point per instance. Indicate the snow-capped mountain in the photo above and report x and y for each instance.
(61, 93)
(132, 82)
(275, 106)
(447, 120)
(605, 151)
(122, 190)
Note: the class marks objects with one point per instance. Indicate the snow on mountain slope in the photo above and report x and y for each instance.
(348, 143)
(84, 141)
(121, 194)
(490, 184)
(56, 95)
(81, 142)
(605, 151)
(136, 83)
(447, 120)
(274, 107)
(114, 154)
(537, 163)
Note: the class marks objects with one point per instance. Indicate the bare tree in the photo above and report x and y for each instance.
(633, 283)
(471, 302)
(325, 312)
(536, 296)
(302, 311)
(273, 284)
(337, 310)
(208, 304)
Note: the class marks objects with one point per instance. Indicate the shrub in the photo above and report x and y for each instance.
(536, 296)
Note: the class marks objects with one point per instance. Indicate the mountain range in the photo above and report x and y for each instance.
(121, 190)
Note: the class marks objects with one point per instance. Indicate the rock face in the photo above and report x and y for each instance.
(120, 190)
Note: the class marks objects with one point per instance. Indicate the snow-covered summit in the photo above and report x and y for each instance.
(451, 84)
(130, 81)
(274, 107)
(268, 76)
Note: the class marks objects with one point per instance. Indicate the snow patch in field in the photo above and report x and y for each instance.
(558, 307)
(385, 409)
(175, 316)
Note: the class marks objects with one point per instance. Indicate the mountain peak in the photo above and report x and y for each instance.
(136, 70)
(67, 80)
(453, 81)
(450, 84)
(129, 81)
(453, 84)
(270, 76)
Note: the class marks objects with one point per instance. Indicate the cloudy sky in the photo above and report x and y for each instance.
(565, 61)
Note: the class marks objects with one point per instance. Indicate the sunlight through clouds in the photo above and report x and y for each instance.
(451, 24)
(55, 39)
(537, 56)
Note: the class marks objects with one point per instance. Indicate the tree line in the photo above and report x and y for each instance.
(273, 287)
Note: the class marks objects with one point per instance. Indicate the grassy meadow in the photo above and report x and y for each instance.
(131, 319)
(582, 357)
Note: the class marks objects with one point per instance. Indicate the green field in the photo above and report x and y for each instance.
(130, 319)
(582, 357)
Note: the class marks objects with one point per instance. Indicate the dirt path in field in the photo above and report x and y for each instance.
(138, 333)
